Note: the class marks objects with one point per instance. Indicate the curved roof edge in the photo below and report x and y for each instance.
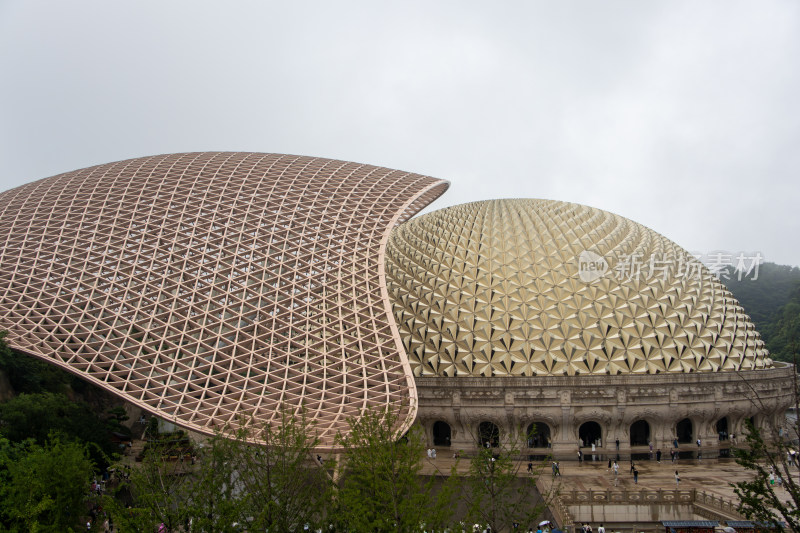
(207, 287)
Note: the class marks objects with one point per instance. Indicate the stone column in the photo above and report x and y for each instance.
(567, 444)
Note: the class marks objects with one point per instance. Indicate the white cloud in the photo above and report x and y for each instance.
(679, 115)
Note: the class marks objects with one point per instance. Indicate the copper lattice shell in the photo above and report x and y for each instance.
(205, 287)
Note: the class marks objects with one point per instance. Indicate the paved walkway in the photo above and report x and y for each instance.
(713, 476)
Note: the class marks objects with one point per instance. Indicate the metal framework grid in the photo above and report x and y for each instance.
(210, 288)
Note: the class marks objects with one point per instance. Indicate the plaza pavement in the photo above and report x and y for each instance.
(713, 476)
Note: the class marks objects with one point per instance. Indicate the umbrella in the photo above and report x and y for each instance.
(728, 529)
(545, 522)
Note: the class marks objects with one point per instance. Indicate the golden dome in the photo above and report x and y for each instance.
(541, 287)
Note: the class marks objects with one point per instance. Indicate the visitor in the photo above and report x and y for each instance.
(658, 456)
(617, 443)
(633, 465)
(580, 456)
(677, 479)
(698, 443)
(601, 529)
(636, 476)
(530, 468)
(609, 465)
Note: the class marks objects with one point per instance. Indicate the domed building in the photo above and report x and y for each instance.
(217, 288)
(567, 327)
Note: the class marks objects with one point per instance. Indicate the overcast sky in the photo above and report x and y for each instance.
(682, 116)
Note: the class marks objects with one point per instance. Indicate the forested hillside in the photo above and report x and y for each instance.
(773, 302)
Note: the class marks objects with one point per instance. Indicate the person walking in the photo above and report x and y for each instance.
(658, 456)
(635, 476)
(677, 480)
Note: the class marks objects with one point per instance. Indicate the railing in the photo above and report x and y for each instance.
(717, 503)
(561, 514)
(658, 496)
(698, 499)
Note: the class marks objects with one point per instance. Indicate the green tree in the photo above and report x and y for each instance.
(496, 493)
(783, 328)
(762, 297)
(773, 303)
(765, 453)
(159, 489)
(267, 481)
(286, 487)
(44, 488)
(36, 416)
(30, 375)
(761, 498)
(381, 489)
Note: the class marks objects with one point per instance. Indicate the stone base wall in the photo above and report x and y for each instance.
(615, 403)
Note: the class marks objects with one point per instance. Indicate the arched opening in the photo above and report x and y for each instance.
(538, 435)
(590, 433)
(722, 428)
(640, 433)
(441, 434)
(489, 435)
(684, 431)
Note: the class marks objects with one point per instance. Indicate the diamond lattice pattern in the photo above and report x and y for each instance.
(209, 287)
(495, 289)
